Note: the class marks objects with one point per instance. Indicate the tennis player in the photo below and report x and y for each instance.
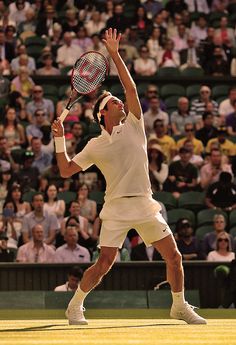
(120, 153)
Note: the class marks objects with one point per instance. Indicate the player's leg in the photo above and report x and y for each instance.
(180, 308)
(91, 278)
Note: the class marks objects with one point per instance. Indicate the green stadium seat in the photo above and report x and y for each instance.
(172, 90)
(205, 217)
(232, 218)
(97, 196)
(202, 231)
(35, 41)
(142, 88)
(171, 103)
(94, 128)
(166, 198)
(28, 196)
(174, 215)
(62, 91)
(232, 232)
(34, 51)
(194, 201)
(17, 155)
(192, 91)
(67, 196)
(219, 91)
(65, 70)
(117, 89)
(50, 90)
(192, 72)
(168, 72)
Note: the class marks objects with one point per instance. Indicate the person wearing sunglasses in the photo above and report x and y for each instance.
(189, 129)
(223, 251)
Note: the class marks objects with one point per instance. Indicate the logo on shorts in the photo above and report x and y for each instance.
(164, 230)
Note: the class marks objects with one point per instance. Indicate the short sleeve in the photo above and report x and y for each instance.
(83, 158)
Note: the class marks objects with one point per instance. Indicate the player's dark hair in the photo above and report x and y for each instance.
(96, 107)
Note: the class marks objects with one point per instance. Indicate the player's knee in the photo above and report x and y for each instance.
(104, 264)
(174, 258)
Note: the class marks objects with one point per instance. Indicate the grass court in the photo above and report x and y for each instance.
(115, 327)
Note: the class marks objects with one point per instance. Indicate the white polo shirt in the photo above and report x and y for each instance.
(122, 159)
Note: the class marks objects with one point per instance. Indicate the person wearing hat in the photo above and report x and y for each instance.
(188, 244)
(226, 145)
(6, 255)
(158, 169)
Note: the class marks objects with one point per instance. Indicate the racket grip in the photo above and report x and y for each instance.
(64, 115)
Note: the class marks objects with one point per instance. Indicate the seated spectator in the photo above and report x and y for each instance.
(209, 240)
(118, 20)
(158, 169)
(197, 6)
(131, 42)
(71, 252)
(5, 183)
(199, 104)
(210, 172)
(71, 20)
(144, 65)
(48, 68)
(208, 131)
(83, 40)
(153, 113)
(230, 121)
(152, 91)
(36, 250)
(88, 207)
(180, 39)
(12, 130)
(52, 205)
(128, 62)
(42, 160)
(27, 28)
(226, 107)
(39, 102)
(74, 276)
(23, 83)
(187, 244)
(46, 21)
(22, 207)
(143, 253)
(196, 160)
(189, 56)
(217, 65)
(165, 141)
(225, 31)
(35, 129)
(95, 24)
(142, 22)
(28, 176)
(223, 251)
(18, 61)
(18, 10)
(74, 211)
(68, 53)
(10, 225)
(154, 43)
(9, 52)
(6, 255)
(180, 117)
(199, 28)
(168, 57)
(222, 194)
(182, 175)
(52, 174)
(4, 83)
(48, 221)
(226, 146)
(198, 147)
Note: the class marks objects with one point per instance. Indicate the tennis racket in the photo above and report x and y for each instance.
(89, 71)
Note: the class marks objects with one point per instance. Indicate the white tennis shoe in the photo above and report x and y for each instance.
(75, 315)
(187, 314)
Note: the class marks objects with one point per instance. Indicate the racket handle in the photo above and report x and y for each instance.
(64, 115)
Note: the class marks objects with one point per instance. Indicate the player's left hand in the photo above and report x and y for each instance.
(57, 128)
(112, 40)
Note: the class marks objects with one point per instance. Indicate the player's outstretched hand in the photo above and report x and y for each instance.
(112, 40)
(57, 128)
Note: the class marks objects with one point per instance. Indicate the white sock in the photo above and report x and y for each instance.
(79, 297)
(178, 298)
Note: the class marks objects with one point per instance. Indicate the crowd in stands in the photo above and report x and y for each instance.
(191, 142)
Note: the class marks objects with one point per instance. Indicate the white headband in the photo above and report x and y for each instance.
(102, 105)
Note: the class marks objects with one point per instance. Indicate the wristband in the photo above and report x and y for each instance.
(60, 144)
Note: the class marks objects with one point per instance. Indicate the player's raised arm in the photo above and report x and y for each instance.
(111, 42)
(66, 166)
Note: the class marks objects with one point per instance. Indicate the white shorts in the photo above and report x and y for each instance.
(114, 232)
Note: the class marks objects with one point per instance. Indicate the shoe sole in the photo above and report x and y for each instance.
(203, 322)
(75, 322)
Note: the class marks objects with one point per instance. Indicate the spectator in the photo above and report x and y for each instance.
(34, 130)
(52, 204)
(82, 39)
(197, 6)
(23, 83)
(131, 42)
(152, 91)
(199, 29)
(154, 43)
(74, 211)
(187, 244)
(68, 53)
(88, 207)
(230, 121)
(42, 160)
(27, 28)
(210, 172)
(75, 111)
(9, 225)
(208, 131)
(4, 83)
(18, 11)
(28, 176)
(52, 174)
(196, 160)
(13, 131)
(36, 250)
(152, 7)
(199, 104)
(226, 107)
(168, 57)
(46, 21)
(175, 6)
(226, 146)
(166, 142)
(7, 52)
(22, 207)
(142, 22)
(153, 113)
(181, 117)
(48, 68)
(5, 183)
(198, 148)
(223, 251)
(142, 253)
(118, 20)
(217, 65)
(158, 169)
(144, 65)
(180, 39)
(182, 175)
(74, 276)
(6, 255)
(71, 23)
(5, 20)
(39, 102)
(225, 32)
(222, 194)
(10, 35)
(128, 62)
(48, 221)
(189, 56)
(22, 59)
(95, 24)
(71, 252)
